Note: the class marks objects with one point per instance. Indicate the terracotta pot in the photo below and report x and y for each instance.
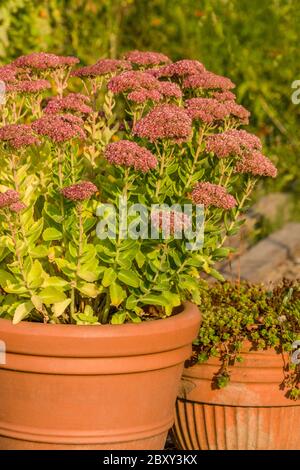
(92, 387)
(251, 413)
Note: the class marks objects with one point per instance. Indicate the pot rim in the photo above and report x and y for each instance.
(102, 340)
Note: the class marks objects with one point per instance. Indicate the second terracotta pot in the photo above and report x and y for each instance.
(251, 413)
(92, 387)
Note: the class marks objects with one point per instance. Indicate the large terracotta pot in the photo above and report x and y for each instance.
(92, 387)
(251, 413)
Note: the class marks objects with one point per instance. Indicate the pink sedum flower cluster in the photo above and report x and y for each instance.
(232, 143)
(72, 102)
(132, 80)
(59, 127)
(8, 198)
(142, 95)
(28, 86)
(165, 122)
(215, 195)
(102, 67)
(8, 73)
(224, 96)
(146, 58)
(208, 80)
(18, 207)
(206, 109)
(181, 68)
(18, 135)
(80, 191)
(130, 154)
(44, 61)
(256, 164)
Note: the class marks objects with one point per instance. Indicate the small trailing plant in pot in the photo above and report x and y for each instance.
(113, 200)
(246, 363)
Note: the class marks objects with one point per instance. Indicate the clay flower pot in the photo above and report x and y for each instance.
(92, 387)
(251, 413)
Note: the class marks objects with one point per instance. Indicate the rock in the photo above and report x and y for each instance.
(271, 259)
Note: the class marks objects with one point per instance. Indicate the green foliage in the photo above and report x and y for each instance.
(254, 43)
(53, 266)
(235, 313)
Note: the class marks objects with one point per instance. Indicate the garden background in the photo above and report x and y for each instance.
(255, 43)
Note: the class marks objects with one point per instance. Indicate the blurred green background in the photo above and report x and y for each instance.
(255, 43)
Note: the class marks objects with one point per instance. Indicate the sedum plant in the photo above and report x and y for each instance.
(78, 143)
(237, 312)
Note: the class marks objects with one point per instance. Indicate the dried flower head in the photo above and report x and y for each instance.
(18, 207)
(130, 154)
(181, 68)
(256, 164)
(206, 109)
(146, 58)
(132, 80)
(170, 221)
(232, 142)
(165, 122)
(8, 73)
(18, 135)
(102, 67)
(80, 191)
(210, 194)
(8, 198)
(44, 61)
(59, 127)
(72, 102)
(208, 80)
(28, 86)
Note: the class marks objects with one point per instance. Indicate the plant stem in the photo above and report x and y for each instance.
(201, 134)
(249, 188)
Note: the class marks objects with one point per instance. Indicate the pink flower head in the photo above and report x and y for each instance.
(170, 90)
(146, 58)
(71, 102)
(132, 80)
(102, 67)
(80, 191)
(169, 220)
(8, 73)
(142, 95)
(165, 121)
(44, 61)
(208, 80)
(224, 96)
(181, 68)
(17, 207)
(238, 111)
(18, 135)
(210, 194)
(256, 164)
(206, 109)
(232, 142)
(29, 86)
(8, 198)
(130, 154)
(59, 127)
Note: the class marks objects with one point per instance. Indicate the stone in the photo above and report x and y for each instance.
(269, 260)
